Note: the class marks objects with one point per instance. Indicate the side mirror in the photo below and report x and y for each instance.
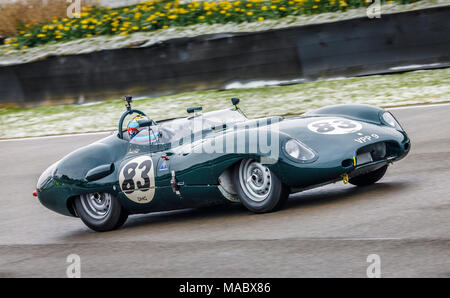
(235, 101)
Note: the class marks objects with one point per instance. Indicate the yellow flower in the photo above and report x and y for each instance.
(24, 47)
(201, 17)
(165, 27)
(89, 35)
(135, 28)
(41, 35)
(173, 17)
(124, 33)
(249, 13)
(6, 50)
(260, 19)
(264, 8)
(315, 6)
(58, 37)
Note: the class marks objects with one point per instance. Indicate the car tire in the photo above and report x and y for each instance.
(369, 178)
(100, 211)
(257, 187)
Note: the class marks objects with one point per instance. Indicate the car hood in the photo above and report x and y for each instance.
(329, 134)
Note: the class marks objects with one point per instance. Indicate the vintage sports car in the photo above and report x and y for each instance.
(219, 157)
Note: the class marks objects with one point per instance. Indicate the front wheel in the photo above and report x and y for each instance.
(100, 211)
(258, 188)
(369, 178)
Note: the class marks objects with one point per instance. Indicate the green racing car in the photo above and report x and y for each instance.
(219, 157)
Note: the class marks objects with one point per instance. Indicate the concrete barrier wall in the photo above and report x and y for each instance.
(347, 48)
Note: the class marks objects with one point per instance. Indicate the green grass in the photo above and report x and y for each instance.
(388, 90)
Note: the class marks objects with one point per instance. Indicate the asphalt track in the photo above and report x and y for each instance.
(327, 232)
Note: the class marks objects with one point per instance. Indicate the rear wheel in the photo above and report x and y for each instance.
(100, 211)
(369, 178)
(257, 187)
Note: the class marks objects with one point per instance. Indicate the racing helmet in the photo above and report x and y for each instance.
(133, 126)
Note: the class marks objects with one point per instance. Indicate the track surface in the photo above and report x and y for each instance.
(327, 232)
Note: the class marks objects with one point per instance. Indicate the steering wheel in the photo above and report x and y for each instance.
(129, 112)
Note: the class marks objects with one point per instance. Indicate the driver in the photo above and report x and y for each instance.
(133, 126)
(146, 137)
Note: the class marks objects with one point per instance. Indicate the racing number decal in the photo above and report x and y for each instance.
(137, 179)
(334, 126)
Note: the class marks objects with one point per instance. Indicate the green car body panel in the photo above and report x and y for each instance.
(98, 167)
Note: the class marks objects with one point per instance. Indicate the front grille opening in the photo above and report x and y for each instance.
(377, 151)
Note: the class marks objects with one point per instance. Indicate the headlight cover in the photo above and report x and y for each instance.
(298, 151)
(388, 119)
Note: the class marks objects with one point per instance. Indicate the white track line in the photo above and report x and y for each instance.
(104, 133)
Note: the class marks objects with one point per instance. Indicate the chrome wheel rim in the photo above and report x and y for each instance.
(255, 180)
(97, 205)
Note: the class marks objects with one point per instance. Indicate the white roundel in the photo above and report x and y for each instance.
(137, 179)
(334, 126)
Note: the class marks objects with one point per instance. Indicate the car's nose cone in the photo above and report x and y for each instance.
(46, 176)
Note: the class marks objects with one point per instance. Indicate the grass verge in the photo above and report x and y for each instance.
(417, 87)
